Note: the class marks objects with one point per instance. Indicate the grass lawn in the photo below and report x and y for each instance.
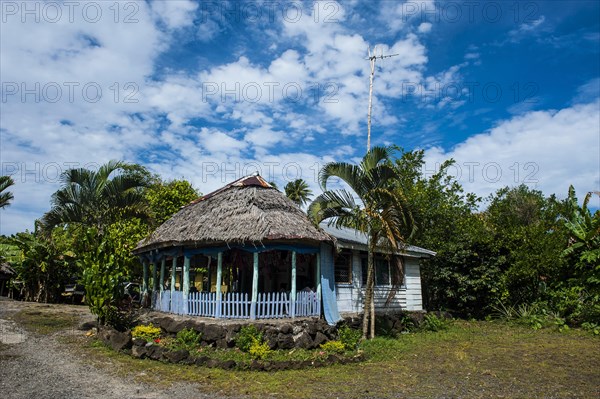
(469, 360)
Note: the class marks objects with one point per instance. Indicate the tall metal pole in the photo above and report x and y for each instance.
(372, 59)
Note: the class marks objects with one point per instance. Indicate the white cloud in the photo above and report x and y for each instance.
(219, 142)
(527, 29)
(403, 15)
(175, 13)
(264, 137)
(546, 150)
(425, 27)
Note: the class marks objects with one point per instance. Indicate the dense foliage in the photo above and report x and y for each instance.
(96, 219)
(523, 249)
(166, 198)
(518, 253)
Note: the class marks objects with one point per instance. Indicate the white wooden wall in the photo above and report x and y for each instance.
(350, 297)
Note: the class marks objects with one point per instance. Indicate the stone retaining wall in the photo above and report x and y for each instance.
(301, 333)
(305, 334)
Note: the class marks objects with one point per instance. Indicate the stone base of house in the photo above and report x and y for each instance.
(305, 333)
(308, 333)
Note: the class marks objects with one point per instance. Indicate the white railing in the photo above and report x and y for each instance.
(307, 304)
(202, 304)
(271, 305)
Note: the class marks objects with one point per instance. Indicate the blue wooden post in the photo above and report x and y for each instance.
(145, 277)
(209, 274)
(293, 291)
(173, 271)
(318, 279)
(218, 283)
(163, 265)
(154, 277)
(186, 282)
(254, 287)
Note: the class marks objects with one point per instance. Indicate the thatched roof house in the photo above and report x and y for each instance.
(246, 239)
(248, 211)
(247, 251)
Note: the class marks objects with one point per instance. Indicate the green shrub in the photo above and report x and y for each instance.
(594, 328)
(246, 337)
(349, 337)
(532, 316)
(188, 338)
(433, 323)
(333, 346)
(146, 332)
(259, 350)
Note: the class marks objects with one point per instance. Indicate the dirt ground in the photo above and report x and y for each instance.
(34, 365)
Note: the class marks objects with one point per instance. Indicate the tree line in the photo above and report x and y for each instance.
(516, 247)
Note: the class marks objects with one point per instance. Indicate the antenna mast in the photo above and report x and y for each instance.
(372, 59)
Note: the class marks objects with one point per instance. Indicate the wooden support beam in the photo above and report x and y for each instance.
(254, 287)
(293, 285)
(163, 266)
(173, 271)
(186, 276)
(218, 283)
(145, 277)
(318, 277)
(186, 282)
(154, 277)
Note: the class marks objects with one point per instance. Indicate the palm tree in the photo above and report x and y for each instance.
(298, 192)
(5, 197)
(98, 198)
(380, 212)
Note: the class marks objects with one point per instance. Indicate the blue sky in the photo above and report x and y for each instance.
(210, 91)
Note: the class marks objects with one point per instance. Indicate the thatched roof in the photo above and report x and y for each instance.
(6, 269)
(248, 211)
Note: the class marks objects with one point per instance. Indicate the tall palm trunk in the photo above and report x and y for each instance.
(372, 305)
(369, 308)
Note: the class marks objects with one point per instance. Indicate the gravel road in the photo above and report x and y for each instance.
(35, 366)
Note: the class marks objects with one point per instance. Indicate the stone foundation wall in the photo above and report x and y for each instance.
(280, 334)
(305, 334)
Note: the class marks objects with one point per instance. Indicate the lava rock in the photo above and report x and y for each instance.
(120, 340)
(139, 352)
(320, 339)
(285, 341)
(213, 333)
(176, 356)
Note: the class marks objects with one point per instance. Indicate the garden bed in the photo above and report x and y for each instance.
(261, 347)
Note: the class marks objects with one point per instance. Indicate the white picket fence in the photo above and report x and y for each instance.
(307, 304)
(271, 305)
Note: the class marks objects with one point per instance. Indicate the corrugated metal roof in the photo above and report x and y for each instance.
(348, 235)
